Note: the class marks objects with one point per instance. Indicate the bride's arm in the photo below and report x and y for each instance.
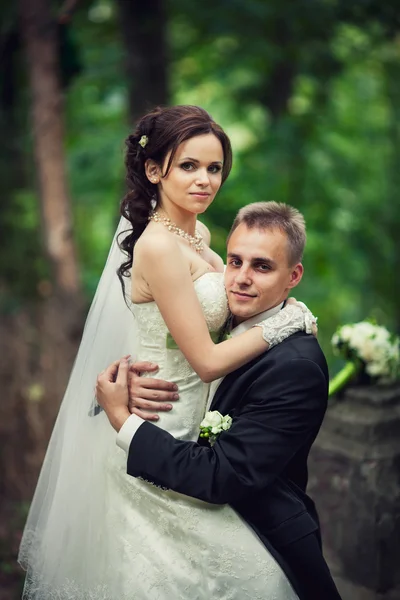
(169, 280)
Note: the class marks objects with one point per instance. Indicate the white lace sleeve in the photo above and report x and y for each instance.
(289, 320)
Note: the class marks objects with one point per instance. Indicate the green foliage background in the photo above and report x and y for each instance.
(331, 150)
(309, 92)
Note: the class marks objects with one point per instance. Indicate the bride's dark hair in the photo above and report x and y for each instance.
(165, 129)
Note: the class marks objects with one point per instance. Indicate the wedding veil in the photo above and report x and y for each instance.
(66, 541)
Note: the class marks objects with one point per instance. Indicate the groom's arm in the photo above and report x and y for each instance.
(283, 408)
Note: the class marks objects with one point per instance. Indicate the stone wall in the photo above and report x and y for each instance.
(354, 478)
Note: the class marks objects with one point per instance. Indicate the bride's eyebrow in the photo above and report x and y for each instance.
(187, 158)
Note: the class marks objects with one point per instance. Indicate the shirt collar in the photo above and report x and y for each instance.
(246, 325)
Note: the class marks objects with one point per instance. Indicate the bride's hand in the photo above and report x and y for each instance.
(312, 327)
(294, 317)
(148, 396)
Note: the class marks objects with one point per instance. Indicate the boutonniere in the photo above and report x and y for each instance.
(213, 424)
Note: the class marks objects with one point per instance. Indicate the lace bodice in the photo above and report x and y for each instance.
(157, 345)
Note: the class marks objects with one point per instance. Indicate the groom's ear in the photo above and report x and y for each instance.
(296, 275)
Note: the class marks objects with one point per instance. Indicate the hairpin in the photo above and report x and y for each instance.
(144, 141)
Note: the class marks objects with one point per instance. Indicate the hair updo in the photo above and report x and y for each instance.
(165, 129)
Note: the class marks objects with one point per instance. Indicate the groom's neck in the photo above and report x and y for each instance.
(237, 319)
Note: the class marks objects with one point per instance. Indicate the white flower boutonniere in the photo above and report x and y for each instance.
(213, 424)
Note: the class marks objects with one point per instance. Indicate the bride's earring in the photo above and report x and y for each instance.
(152, 172)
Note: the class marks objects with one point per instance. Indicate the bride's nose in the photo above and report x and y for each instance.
(202, 178)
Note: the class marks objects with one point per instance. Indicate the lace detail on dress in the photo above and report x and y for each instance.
(184, 548)
(183, 422)
(289, 320)
(68, 590)
(165, 545)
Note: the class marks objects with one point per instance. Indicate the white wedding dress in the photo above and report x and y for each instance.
(169, 546)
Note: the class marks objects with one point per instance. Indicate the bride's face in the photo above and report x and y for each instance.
(194, 177)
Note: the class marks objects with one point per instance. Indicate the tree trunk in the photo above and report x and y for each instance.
(42, 338)
(12, 173)
(390, 286)
(143, 32)
(279, 88)
(39, 33)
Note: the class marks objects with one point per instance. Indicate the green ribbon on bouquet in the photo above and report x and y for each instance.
(346, 374)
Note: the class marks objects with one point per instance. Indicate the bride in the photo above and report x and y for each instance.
(93, 532)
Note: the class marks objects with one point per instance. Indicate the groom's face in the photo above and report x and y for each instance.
(258, 275)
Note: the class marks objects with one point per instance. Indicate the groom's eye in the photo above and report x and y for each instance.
(235, 263)
(264, 267)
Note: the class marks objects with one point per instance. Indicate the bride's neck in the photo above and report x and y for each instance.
(183, 219)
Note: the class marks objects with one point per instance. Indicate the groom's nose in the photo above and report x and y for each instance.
(243, 276)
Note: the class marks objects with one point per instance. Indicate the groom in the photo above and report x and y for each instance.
(277, 403)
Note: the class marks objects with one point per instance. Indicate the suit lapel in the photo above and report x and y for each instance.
(230, 390)
(222, 392)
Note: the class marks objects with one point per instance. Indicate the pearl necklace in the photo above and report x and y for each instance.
(195, 241)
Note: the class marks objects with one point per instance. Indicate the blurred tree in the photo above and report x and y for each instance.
(143, 27)
(259, 48)
(390, 216)
(13, 173)
(309, 92)
(41, 312)
(39, 33)
(39, 334)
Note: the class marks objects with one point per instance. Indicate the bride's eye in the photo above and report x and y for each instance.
(187, 166)
(214, 169)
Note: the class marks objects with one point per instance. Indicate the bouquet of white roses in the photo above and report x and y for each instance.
(367, 347)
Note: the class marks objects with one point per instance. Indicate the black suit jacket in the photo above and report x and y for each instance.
(259, 466)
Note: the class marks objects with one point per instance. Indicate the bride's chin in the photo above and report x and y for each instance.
(200, 210)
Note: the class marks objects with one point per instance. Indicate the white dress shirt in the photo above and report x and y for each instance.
(132, 424)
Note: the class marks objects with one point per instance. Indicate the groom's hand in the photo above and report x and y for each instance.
(112, 392)
(147, 395)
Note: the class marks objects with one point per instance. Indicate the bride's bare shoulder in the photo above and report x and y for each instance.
(155, 241)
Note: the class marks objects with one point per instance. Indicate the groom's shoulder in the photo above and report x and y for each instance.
(299, 346)
(299, 350)
(296, 362)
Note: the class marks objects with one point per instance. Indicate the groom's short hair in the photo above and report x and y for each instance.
(271, 215)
